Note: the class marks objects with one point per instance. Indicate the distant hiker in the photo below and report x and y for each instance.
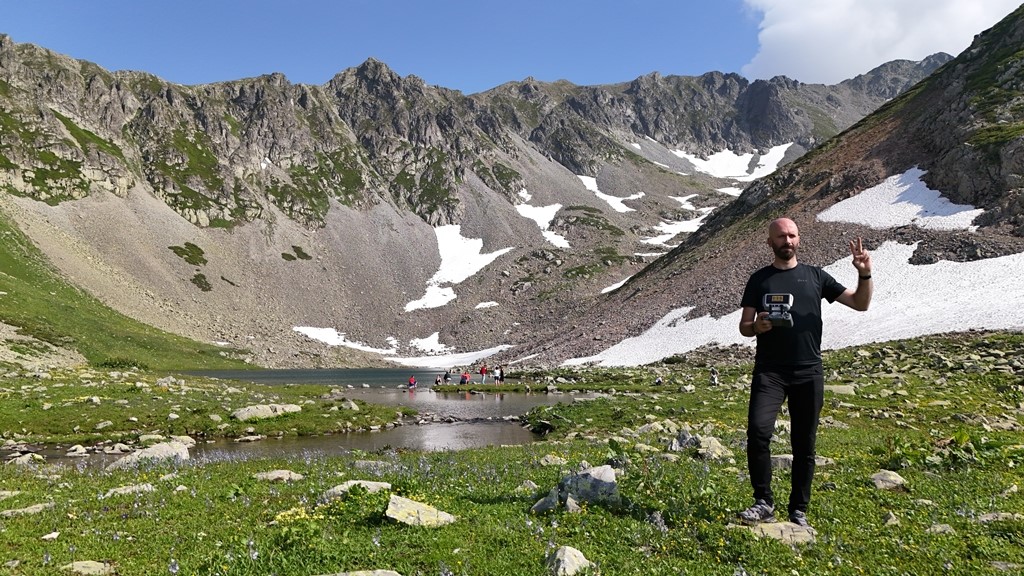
(447, 376)
(714, 376)
(437, 381)
(658, 381)
(787, 363)
(483, 374)
(412, 381)
(499, 376)
(464, 377)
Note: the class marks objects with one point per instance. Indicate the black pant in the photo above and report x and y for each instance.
(804, 386)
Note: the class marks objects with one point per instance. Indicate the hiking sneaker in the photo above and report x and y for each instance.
(761, 511)
(799, 518)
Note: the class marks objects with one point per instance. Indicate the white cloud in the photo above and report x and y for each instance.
(827, 42)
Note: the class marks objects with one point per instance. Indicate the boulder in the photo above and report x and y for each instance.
(264, 411)
(596, 485)
(156, 452)
(279, 476)
(343, 488)
(567, 561)
(415, 513)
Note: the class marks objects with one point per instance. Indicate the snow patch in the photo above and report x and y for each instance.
(332, 337)
(461, 258)
(900, 200)
(614, 201)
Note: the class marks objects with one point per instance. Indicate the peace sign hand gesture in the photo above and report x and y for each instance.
(861, 257)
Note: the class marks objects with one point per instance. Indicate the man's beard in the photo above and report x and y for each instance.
(784, 252)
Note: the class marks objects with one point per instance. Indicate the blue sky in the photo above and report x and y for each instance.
(474, 45)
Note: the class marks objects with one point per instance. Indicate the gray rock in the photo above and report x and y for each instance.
(711, 449)
(547, 503)
(279, 476)
(77, 451)
(787, 532)
(365, 573)
(596, 485)
(527, 487)
(264, 411)
(89, 567)
(567, 561)
(887, 480)
(133, 489)
(552, 460)
(374, 466)
(34, 509)
(27, 459)
(415, 513)
(1000, 517)
(343, 488)
(156, 452)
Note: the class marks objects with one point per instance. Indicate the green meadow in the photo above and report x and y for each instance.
(943, 412)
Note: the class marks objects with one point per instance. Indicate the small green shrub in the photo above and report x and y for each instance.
(200, 280)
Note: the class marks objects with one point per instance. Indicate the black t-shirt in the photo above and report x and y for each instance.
(801, 344)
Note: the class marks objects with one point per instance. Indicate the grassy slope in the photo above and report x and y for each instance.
(42, 305)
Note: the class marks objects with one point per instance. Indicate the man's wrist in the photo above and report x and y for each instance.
(864, 277)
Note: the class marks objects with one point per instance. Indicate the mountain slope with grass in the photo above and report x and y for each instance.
(48, 322)
(395, 217)
(957, 136)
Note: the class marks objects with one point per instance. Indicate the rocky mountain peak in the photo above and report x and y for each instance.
(326, 205)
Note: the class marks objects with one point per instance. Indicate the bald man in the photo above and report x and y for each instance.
(787, 364)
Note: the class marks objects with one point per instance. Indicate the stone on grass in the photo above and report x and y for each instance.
(566, 561)
(1000, 517)
(711, 449)
(940, 529)
(156, 452)
(843, 389)
(552, 460)
(596, 485)
(365, 573)
(89, 567)
(343, 488)
(34, 509)
(279, 476)
(547, 503)
(786, 532)
(527, 487)
(415, 513)
(887, 480)
(264, 411)
(132, 489)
